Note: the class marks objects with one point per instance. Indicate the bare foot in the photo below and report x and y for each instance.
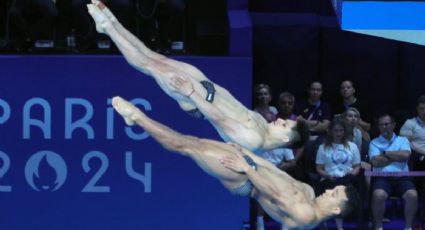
(127, 110)
(101, 20)
(105, 10)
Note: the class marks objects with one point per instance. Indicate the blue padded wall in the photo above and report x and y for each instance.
(67, 160)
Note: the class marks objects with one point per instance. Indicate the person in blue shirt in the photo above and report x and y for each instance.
(390, 153)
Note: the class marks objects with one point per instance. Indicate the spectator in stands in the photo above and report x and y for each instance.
(337, 160)
(355, 133)
(358, 136)
(316, 112)
(263, 98)
(390, 153)
(318, 116)
(283, 158)
(349, 99)
(414, 130)
(32, 20)
(286, 105)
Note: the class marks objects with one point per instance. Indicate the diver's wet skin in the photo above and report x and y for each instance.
(105, 10)
(101, 20)
(287, 200)
(198, 94)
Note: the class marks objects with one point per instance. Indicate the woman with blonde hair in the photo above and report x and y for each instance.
(358, 135)
(263, 98)
(352, 118)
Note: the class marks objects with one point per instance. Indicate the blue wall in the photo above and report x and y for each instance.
(59, 134)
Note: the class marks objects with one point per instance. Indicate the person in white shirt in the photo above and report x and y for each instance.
(337, 159)
(414, 130)
(359, 136)
(356, 134)
(282, 158)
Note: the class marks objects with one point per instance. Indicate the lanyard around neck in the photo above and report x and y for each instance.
(316, 107)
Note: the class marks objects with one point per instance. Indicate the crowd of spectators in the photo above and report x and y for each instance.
(343, 146)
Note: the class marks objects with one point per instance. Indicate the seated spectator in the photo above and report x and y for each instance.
(32, 20)
(316, 112)
(349, 99)
(286, 105)
(357, 135)
(337, 160)
(414, 130)
(283, 158)
(263, 97)
(390, 153)
(285, 108)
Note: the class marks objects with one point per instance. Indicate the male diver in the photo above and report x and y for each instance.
(196, 94)
(285, 199)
